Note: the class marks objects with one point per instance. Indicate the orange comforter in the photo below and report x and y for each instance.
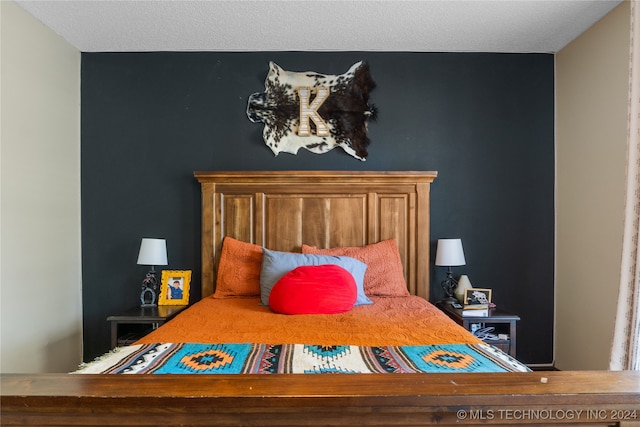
(407, 320)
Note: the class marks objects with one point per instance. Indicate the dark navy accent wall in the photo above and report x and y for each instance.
(485, 122)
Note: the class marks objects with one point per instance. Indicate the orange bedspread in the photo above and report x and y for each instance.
(407, 320)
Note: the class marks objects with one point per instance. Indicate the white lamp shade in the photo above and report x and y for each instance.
(153, 252)
(449, 253)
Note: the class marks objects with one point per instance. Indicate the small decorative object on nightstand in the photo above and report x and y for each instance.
(152, 252)
(449, 254)
(463, 285)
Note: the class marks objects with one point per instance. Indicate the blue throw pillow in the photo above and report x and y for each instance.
(276, 264)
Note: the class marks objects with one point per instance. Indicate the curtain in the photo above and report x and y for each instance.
(625, 351)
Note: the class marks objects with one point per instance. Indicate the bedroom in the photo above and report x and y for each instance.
(52, 332)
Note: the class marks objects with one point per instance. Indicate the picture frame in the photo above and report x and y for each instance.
(174, 288)
(476, 296)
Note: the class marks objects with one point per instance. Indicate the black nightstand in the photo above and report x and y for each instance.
(503, 322)
(130, 325)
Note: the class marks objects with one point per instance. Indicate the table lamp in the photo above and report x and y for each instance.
(152, 252)
(449, 253)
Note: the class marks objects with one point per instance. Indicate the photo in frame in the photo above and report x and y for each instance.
(175, 286)
(475, 296)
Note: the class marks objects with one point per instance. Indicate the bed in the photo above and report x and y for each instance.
(316, 211)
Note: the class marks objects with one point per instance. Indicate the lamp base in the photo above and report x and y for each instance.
(148, 296)
(449, 286)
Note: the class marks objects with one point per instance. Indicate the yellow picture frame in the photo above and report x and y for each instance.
(174, 288)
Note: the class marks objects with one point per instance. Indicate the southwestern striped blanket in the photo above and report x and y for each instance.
(195, 358)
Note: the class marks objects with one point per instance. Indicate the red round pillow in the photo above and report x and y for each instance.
(314, 289)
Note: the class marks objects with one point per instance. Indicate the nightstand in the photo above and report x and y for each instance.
(503, 322)
(130, 325)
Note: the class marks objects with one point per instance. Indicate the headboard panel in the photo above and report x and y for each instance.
(281, 210)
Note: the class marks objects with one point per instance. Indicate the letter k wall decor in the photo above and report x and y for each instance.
(315, 111)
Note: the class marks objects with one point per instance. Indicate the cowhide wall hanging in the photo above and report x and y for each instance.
(315, 111)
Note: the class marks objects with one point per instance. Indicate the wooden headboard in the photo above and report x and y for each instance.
(281, 210)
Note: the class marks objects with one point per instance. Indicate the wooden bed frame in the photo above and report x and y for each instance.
(282, 210)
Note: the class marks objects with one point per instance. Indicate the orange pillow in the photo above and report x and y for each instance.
(238, 270)
(384, 276)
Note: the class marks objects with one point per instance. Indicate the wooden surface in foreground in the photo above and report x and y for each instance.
(544, 398)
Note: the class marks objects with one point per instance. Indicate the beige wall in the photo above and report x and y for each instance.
(40, 267)
(591, 101)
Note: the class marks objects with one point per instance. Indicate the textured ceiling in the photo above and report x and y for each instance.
(420, 26)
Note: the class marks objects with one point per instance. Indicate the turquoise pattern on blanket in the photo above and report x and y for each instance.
(449, 358)
(207, 359)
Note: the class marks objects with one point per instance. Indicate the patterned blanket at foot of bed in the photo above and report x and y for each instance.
(194, 358)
